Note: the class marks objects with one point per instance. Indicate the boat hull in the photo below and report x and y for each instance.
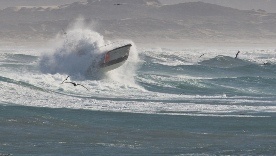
(115, 58)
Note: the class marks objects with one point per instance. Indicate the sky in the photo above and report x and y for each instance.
(268, 5)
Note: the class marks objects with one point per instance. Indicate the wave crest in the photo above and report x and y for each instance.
(74, 56)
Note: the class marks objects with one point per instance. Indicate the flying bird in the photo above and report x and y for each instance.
(65, 79)
(76, 84)
(64, 32)
(237, 54)
(73, 83)
(201, 55)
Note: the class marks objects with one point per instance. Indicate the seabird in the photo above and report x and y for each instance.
(65, 80)
(76, 84)
(237, 54)
(64, 32)
(73, 83)
(201, 55)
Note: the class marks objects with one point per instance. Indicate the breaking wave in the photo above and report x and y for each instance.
(78, 51)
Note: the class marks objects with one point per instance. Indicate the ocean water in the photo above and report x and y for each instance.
(162, 101)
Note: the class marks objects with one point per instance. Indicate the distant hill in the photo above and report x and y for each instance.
(121, 2)
(268, 5)
(140, 19)
(10, 3)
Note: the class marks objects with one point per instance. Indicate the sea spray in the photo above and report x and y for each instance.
(78, 52)
(74, 55)
(126, 73)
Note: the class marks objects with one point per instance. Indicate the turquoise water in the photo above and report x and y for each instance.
(161, 102)
(46, 131)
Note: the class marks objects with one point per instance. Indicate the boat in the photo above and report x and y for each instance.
(115, 58)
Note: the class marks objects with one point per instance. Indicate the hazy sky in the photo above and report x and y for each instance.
(268, 5)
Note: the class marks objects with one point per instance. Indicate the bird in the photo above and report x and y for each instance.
(65, 79)
(73, 83)
(201, 55)
(64, 32)
(76, 84)
(237, 54)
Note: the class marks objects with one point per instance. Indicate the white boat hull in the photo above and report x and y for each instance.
(115, 58)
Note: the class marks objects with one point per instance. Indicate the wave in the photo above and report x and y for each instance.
(17, 58)
(75, 55)
(225, 62)
(20, 83)
(79, 52)
(212, 76)
(164, 81)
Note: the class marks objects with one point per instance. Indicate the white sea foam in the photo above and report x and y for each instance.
(118, 92)
(101, 98)
(192, 56)
(75, 53)
(127, 72)
(78, 51)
